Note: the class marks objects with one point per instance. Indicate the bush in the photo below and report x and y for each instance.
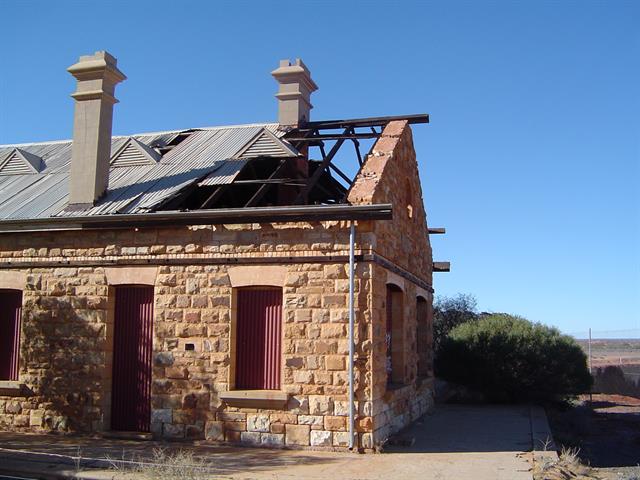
(448, 313)
(508, 358)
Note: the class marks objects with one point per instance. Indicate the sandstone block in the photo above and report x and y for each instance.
(334, 301)
(250, 438)
(277, 428)
(310, 419)
(320, 438)
(194, 431)
(335, 271)
(320, 405)
(364, 424)
(236, 426)
(173, 431)
(272, 439)
(303, 376)
(36, 418)
(161, 415)
(294, 362)
(302, 315)
(332, 330)
(297, 434)
(258, 423)
(13, 407)
(341, 408)
(334, 423)
(366, 440)
(283, 418)
(176, 372)
(163, 359)
(23, 421)
(340, 439)
(334, 362)
(323, 378)
(296, 279)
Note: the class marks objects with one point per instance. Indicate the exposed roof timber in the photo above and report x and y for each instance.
(441, 266)
(365, 122)
(301, 213)
(318, 137)
(437, 230)
(313, 180)
(261, 192)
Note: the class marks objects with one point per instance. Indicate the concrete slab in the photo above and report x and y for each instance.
(456, 441)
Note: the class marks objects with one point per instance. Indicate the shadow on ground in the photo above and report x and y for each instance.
(469, 428)
(607, 432)
(71, 451)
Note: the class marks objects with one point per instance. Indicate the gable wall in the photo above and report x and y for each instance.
(390, 175)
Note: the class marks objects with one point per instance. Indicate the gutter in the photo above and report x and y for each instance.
(298, 213)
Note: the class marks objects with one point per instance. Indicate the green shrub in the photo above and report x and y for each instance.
(508, 358)
(448, 313)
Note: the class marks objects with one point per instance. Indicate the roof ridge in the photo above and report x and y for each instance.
(162, 132)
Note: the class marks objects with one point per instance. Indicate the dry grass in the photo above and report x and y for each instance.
(164, 465)
(566, 466)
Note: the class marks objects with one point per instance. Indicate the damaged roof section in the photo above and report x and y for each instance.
(146, 170)
(256, 165)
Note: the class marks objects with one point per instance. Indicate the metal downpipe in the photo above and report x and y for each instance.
(352, 234)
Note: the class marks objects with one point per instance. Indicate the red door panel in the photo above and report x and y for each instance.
(10, 313)
(132, 350)
(258, 339)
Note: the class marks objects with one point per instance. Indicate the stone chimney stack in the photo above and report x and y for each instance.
(97, 77)
(294, 94)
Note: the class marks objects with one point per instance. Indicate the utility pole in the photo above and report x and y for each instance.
(590, 351)
(591, 389)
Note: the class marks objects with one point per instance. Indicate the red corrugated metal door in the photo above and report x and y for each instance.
(10, 313)
(258, 339)
(132, 349)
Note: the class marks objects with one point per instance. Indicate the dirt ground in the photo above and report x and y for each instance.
(606, 430)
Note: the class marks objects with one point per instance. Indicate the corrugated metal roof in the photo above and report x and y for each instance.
(207, 156)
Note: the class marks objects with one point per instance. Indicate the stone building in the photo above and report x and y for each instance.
(216, 283)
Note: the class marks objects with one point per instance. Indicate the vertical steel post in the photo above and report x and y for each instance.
(590, 372)
(590, 351)
(352, 233)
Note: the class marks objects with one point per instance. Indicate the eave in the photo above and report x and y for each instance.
(302, 213)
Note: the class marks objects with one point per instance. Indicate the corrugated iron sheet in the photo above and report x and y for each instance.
(132, 350)
(258, 343)
(10, 313)
(207, 156)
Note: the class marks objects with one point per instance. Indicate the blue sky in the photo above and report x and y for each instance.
(531, 160)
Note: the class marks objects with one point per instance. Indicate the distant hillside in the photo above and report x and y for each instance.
(613, 351)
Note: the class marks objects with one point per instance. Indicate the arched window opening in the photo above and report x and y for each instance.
(424, 338)
(395, 336)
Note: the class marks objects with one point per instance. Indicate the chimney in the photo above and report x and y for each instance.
(294, 94)
(97, 77)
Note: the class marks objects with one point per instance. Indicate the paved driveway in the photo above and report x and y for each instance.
(455, 442)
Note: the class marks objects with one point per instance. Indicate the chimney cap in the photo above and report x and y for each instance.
(296, 71)
(99, 61)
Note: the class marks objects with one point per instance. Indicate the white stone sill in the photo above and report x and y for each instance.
(11, 388)
(255, 398)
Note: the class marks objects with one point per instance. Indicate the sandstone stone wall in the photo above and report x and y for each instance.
(67, 327)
